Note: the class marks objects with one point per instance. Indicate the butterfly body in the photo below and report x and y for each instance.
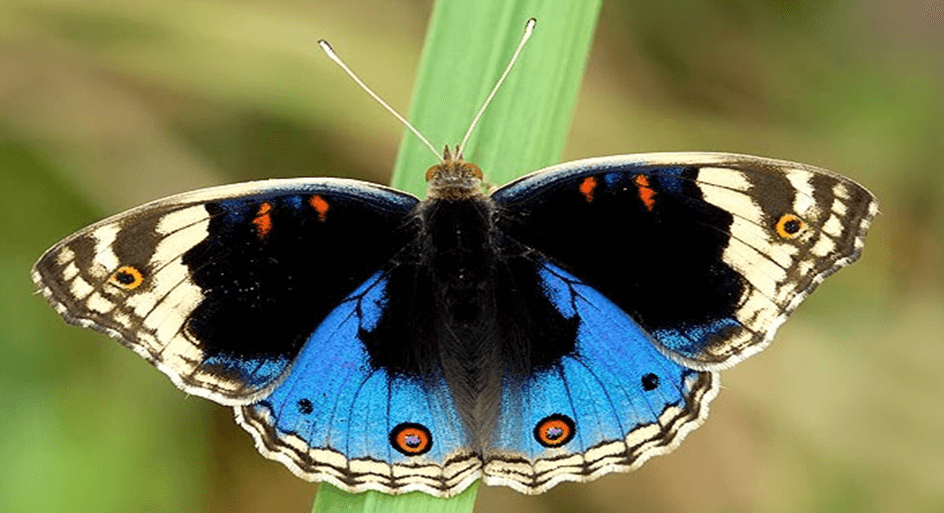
(567, 325)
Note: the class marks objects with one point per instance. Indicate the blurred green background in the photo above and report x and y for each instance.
(105, 105)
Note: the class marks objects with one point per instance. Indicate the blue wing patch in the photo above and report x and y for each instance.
(253, 372)
(610, 406)
(690, 341)
(336, 418)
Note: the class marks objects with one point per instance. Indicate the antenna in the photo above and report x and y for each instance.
(528, 29)
(334, 57)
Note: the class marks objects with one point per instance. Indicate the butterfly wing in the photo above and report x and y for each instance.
(609, 405)
(341, 417)
(220, 288)
(707, 252)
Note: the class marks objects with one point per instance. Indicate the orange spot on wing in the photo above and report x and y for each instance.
(320, 205)
(646, 193)
(555, 430)
(411, 439)
(127, 277)
(263, 221)
(587, 186)
(789, 226)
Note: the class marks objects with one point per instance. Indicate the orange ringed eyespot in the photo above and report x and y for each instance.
(127, 277)
(411, 439)
(320, 205)
(790, 226)
(587, 186)
(554, 430)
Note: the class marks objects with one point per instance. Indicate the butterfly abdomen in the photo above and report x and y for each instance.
(460, 259)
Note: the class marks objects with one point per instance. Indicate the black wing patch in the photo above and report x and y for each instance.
(220, 288)
(708, 252)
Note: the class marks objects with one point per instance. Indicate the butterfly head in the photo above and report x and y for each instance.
(453, 178)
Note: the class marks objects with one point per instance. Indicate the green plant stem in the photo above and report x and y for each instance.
(467, 47)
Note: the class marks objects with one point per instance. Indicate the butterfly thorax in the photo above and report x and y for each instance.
(453, 178)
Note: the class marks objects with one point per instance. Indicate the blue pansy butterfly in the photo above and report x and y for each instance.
(566, 325)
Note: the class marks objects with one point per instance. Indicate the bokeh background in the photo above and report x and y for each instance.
(105, 105)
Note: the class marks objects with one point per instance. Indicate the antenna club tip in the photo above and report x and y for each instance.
(529, 27)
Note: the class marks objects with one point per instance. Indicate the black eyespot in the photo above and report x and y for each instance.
(555, 430)
(792, 226)
(411, 439)
(124, 278)
(305, 407)
(650, 382)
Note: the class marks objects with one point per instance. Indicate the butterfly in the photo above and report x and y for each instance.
(569, 324)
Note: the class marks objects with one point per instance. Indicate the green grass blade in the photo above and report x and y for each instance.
(467, 47)
(334, 500)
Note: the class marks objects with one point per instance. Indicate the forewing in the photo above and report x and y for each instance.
(708, 252)
(219, 288)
